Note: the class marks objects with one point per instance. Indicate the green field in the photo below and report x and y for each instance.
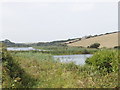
(39, 70)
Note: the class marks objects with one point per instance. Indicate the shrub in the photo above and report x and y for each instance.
(95, 45)
(104, 60)
(118, 47)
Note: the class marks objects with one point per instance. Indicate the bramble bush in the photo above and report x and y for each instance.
(104, 60)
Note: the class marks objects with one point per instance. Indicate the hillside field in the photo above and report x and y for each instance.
(107, 40)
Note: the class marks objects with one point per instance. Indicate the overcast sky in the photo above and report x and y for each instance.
(49, 21)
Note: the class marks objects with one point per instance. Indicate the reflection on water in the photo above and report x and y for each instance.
(77, 59)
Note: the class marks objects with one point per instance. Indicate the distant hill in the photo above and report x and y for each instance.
(108, 40)
(8, 43)
(53, 43)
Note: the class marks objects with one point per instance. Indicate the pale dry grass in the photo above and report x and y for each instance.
(108, 41)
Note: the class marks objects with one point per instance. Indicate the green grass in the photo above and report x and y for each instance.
(46, 73)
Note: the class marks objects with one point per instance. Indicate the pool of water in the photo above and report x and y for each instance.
(77, 59)
(22, 49)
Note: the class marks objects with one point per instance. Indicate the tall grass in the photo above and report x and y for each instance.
(65, 50)
(51, 74)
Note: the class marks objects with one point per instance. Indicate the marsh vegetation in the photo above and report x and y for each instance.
(30, 69)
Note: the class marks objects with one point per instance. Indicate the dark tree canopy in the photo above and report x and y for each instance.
(95, 45)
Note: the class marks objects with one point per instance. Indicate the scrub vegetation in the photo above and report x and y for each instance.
(39, 70)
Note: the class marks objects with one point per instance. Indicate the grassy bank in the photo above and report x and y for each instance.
(39, 70)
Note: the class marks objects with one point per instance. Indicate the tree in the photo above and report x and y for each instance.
(95, 45)
(117, 47)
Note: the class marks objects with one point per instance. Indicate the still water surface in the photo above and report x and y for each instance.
(77, 59)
